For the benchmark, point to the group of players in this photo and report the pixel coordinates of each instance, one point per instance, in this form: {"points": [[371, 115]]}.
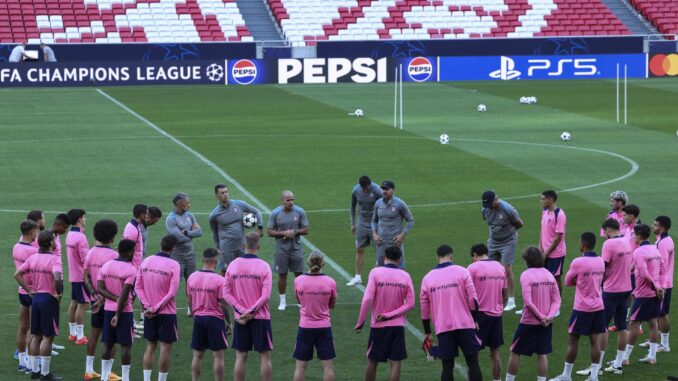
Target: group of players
{"points": [[464, 305]]}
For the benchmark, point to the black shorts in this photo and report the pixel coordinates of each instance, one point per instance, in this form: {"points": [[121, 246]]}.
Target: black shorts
{"points": [[616, 308], [530, 339], [449, 343], [97, 319], [387, 343], [45, 315], [491, 330], [319, 338], [645, 309], [587, 323], [257, 334], [123, 333], [665, 307], [161, 327], [209, 332], [79, 293], [25, 300], [555, 265]]}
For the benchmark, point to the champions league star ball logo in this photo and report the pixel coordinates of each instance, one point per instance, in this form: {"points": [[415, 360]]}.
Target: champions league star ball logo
{"points": [[420, 69], [215, 72]]}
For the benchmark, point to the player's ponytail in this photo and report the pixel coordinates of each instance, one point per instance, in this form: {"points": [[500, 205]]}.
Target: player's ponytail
{"points": [[316, 261]]}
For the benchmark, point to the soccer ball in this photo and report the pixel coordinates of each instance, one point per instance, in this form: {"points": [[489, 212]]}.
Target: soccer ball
{"points": [[533, 100], [359, 113], [249, 220], [444, 139], [565, 136], [482, 108], [523, 100]]}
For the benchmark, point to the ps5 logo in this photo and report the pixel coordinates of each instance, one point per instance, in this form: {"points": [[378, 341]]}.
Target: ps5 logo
{"points": [[506, 70], [580, 66]]}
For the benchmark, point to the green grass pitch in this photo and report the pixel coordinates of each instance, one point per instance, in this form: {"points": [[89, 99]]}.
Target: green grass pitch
{"points": [[66, 148]]}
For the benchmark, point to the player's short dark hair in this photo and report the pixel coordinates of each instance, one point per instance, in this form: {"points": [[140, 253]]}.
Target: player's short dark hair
{"points": [[533, 257], [642, 231], [139, 210], [550, 194], [126, 246], [588, 240], [210, 253], [35, 215], [154, 212], [219, 186], [62, 219], [105, 230], [364, 181], [27, 226], [479, 249], [252, 240], [631, 209], [45, 240], [179, 196], [444, 250], [75, 215], [393, 253], [664, 221], [610, 223], [168, 242]]}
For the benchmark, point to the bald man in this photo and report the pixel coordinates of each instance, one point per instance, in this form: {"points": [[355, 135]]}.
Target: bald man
{"points": [[287, 224]]}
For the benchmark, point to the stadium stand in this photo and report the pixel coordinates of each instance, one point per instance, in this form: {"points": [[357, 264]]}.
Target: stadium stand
{"points": [[306, 21], [663, 14], [112, 21]]}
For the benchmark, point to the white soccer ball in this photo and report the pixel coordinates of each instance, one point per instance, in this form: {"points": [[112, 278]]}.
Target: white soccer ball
{"points": [[444, 139], [482, 108], [359, 113], [533, 100], [565, 136], [249, 220], [523, 100]]}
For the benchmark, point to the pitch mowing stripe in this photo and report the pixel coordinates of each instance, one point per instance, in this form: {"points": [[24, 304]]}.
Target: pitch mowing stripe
{"points": [[460, 368]]}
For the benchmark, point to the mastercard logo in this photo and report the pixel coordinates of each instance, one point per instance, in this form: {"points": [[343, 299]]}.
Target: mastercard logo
{"points": [[664, 64]]}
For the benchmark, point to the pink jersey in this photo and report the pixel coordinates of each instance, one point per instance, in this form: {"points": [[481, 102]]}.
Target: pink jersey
{"points": [[618, 256], [390, 293], [248, 286], [631, 236], [315, 292], [205, 288], [95, 260], [57, 252], [133, 232], [666, 250], [619, 217], [648, 264], [41, 267], [489, 279], [447, 297], [553, 223], [76, 252], [20, 253], [116, 274], [586, 273], [158, 283], [541, 298]]}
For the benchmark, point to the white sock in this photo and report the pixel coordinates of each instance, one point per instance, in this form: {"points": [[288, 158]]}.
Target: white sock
{"points": [[35, 363], [653, 351], [594, 372], [44, 364], [567, 370], [89, 364], [141, 316], [510, 377], [511, 300], [600, 363], [147, 374], [282, 299], [665, 340], [80, 331], [22, 359], [125, 372], [162, 376], [627, 352], [71, 329], [541, 378], [105, 369], [618, 360]]}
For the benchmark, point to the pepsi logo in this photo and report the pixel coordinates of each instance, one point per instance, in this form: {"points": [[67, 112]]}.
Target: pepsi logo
{"points": [[244, 72], [420, 69]]}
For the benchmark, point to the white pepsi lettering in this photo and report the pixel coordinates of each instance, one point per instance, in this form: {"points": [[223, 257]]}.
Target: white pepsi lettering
{"points": [[288, 68], [365, 74], [332, 70], [313, 70], [339, 68]]}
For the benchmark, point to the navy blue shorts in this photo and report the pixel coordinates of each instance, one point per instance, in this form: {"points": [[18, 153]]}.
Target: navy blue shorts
{"points": [[665, 307], [387, 343], [555, 265], [491, 332], [530, 339], [257, 334], [616, 308], [587, 323], [97, 319], [79, 293], [633, 281], [25, 300], [449, 343], [645, 309], [45, 315], [319, 338], [209, 332], [123, 333], [161, 327]]}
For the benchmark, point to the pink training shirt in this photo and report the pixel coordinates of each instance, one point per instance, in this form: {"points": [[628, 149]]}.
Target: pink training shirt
{"points": [[42, 267], [76, 252], [133, 232], [615, 215], [541, 298], [248, 286], [447, 297], [489, 279], [648, 263], [553, 223], [95, 260], [586, 273], [20, 253], [205, 288], [158, 283], [116, 274], [666, 250], [315, 293], [618, 256], [631, 236], [390, 293]]}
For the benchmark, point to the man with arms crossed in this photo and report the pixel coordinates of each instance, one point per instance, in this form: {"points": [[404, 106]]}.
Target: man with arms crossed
{"points": [[666, 248], [387, 223], [364, 195]]}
